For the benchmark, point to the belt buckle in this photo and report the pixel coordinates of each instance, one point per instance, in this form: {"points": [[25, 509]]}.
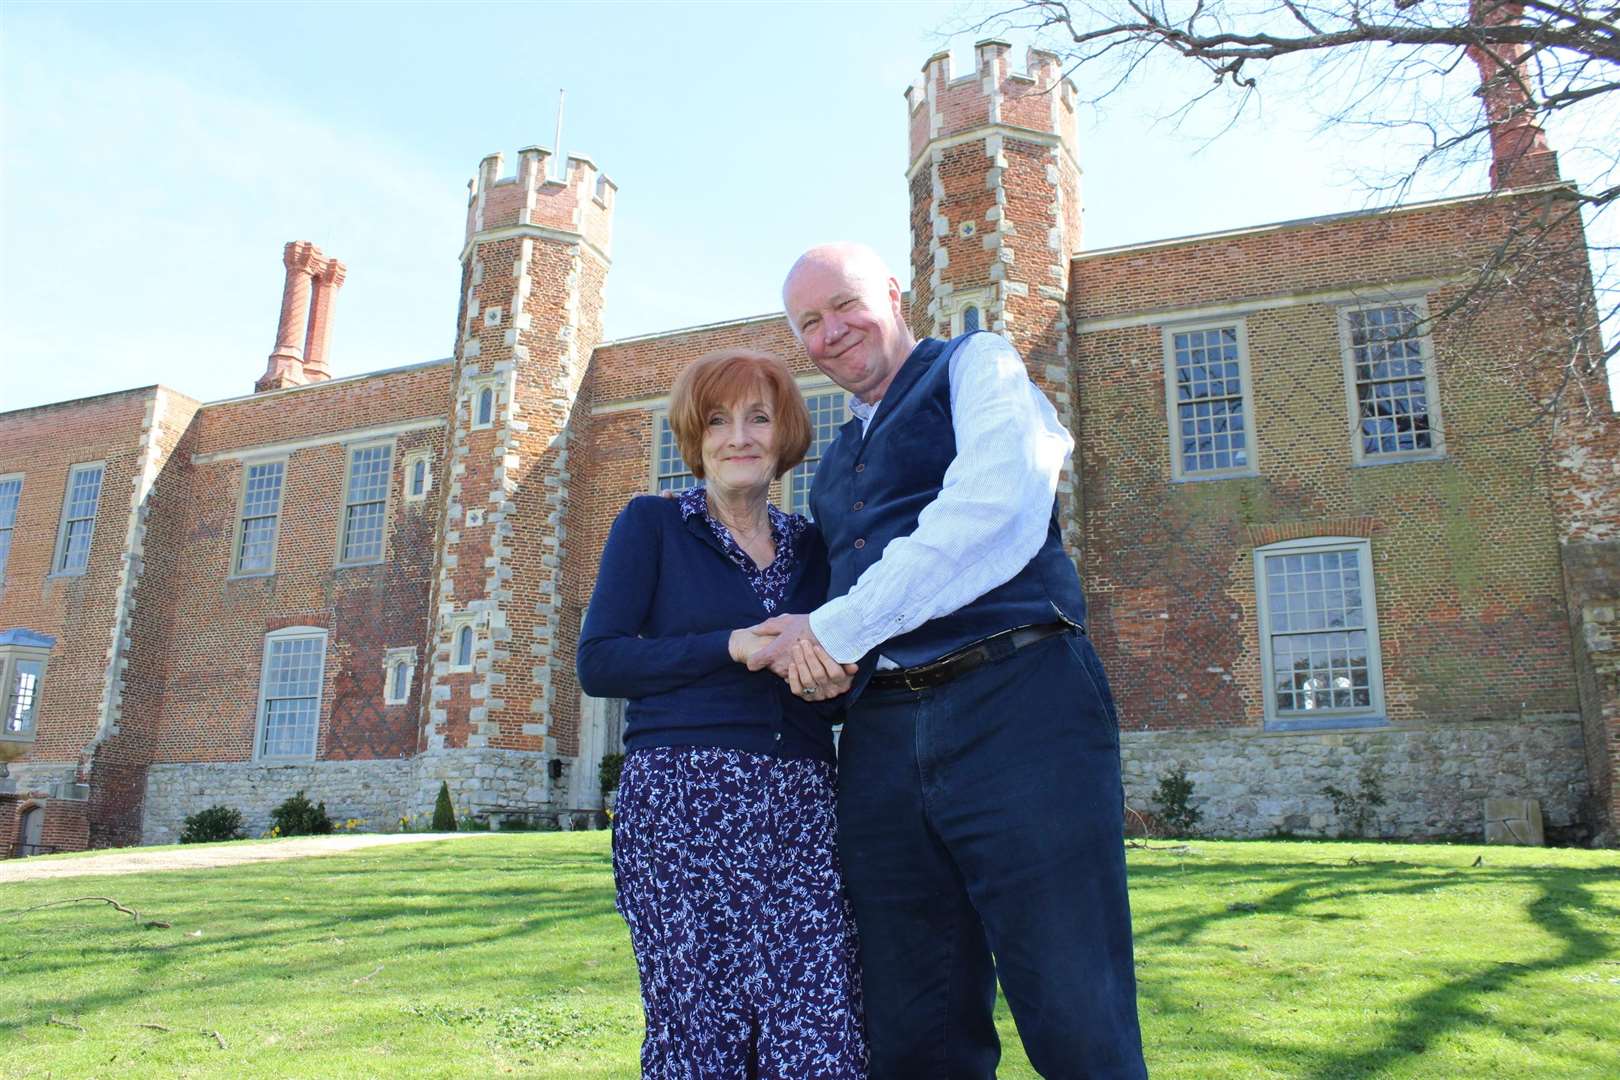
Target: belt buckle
{"points": [[913, 687]]}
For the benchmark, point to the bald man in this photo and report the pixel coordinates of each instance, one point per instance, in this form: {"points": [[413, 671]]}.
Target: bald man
{"points": [[980, 805]]}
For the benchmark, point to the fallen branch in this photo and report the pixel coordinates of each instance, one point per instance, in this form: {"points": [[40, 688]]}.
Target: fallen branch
{"points": [[82, 899], [365, 978], [155, 1027], [217, 1038], [59, 1022]]}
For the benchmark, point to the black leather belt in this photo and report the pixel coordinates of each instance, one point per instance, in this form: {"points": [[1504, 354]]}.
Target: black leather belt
{"points": [[965, 659]]}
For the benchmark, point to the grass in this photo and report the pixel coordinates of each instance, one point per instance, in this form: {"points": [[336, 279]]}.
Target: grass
{"points": [[505, 957]]}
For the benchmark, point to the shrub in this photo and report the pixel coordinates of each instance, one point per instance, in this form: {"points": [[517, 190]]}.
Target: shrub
{"points": [[612, 765], [1355, 809], [444, 815], [1176, 814], [214, 823], [300, 817]]}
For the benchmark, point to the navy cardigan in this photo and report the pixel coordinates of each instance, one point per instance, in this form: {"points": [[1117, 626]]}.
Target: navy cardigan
{"points": [[658, 632]]}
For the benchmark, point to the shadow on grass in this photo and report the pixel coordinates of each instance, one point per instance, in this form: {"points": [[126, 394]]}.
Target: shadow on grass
{"points": [[274, 924], [1317, 891]]}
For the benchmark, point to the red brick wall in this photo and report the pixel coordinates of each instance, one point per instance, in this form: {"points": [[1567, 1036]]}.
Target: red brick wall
{"points": [[214, 624], [43, 444], [1471, 606]]}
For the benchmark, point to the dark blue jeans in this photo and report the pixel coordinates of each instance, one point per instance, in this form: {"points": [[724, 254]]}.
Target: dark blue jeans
{"points": [[981, 833]]}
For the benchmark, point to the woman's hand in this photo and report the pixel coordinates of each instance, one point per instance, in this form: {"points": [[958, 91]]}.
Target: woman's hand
{"points": [[745, 643], [815, 676]]}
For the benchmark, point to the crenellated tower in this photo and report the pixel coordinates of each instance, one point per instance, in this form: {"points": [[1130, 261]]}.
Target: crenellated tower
{"points": [[995, 211], [501, 724]]}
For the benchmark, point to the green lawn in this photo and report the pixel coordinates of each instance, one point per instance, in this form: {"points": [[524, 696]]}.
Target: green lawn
{"points": [[503, 956]]}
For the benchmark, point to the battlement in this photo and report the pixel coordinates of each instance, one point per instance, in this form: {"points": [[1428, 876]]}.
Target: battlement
{"points": [[580, 202], [1038, 99]]}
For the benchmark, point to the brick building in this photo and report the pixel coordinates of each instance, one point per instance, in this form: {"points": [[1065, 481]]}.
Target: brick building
{"points": [[364, 586]]}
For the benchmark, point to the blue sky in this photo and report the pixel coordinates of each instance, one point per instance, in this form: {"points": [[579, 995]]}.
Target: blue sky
{"points": [[158, 156]]}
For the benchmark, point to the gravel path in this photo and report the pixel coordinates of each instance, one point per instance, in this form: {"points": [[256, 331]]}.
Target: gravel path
{"points": [[139, 860]]}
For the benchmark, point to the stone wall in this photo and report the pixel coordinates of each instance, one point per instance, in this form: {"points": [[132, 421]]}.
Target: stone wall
{"points": [[376, 792], [490, 779], [1435, 778]]}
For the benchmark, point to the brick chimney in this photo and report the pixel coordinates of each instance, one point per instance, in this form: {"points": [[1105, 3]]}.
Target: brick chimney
{"points": [[306, 318], [1520, 156]]}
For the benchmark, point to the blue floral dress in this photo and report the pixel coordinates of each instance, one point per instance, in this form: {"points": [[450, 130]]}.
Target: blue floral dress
{"points": [[727, 875]]}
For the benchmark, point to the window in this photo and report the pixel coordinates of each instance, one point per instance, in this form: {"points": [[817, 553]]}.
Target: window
{"points": [[463, 642], [1390, 376], [365, 503], [10, 495], [23, 656], [399, 666], [1209, 402], [486, 407], [963, 312], [418, 474], [828, 413], [669, 470], [1319, 633], [79, 505], [261, 513], [290, 692]]}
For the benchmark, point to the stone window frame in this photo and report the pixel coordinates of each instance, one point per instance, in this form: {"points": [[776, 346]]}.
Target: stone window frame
{"points": [[1419, 305], [476, 388], [1374, 714], [954, 310], [467, 620], [423, 457], [1179, 474], [11, 656], [349, 451], [248, 464], [660, 425], [402, 656], [8, 531], [274, 637], [60, 552], [796, 482]]}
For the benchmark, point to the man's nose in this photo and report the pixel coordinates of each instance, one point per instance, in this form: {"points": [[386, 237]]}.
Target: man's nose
{"points": [[833, 327]]}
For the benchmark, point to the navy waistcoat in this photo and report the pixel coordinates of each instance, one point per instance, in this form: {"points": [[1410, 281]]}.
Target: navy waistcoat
{"points": [[870, 491]]}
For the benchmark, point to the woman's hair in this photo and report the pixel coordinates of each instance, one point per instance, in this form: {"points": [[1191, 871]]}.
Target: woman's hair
{"points": [[726, 377]]}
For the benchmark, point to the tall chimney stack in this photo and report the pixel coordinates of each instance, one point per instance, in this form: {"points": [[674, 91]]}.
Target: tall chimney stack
{"points": [[1520, 156], [304, 330]]}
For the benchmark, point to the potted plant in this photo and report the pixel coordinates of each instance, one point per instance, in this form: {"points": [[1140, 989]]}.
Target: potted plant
{"points": [[608, 772]]}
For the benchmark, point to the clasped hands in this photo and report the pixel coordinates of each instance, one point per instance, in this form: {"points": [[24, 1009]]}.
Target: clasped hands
{"points": [[788, 647]]}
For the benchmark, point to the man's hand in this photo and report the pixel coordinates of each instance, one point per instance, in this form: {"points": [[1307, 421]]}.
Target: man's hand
{"points": [[815, 676], [778, 655]]}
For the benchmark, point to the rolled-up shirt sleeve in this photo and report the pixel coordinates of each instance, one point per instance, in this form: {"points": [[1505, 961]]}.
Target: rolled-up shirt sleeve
{"points": [[988, 520]]}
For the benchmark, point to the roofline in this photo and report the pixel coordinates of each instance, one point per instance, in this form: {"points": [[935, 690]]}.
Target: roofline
{"points": [[905, 294], [263, 394], [88, 398], [724, 324], [1321, 219]]}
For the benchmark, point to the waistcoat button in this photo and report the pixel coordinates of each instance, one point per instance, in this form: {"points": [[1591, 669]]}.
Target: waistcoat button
{"points": [[859, 544], [860, 504], [861, 467]]}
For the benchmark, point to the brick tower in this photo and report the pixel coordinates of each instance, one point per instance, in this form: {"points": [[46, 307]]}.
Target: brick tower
{"points": [[995, 211], [501, 723]]}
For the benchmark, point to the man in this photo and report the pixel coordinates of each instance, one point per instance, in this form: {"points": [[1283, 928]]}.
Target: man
{"points": [[980, 804]]}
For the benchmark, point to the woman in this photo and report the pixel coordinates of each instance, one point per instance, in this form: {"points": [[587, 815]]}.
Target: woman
{"points": [[724, 834]]}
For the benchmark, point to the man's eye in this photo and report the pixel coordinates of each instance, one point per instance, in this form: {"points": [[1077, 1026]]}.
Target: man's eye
{"points": [[847, 303]]}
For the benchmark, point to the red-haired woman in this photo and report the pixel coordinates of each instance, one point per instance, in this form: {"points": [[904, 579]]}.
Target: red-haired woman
{"points": [[724, 841]]}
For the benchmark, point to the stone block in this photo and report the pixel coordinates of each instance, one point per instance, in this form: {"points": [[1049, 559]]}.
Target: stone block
{"points": [[1514, 821]]}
